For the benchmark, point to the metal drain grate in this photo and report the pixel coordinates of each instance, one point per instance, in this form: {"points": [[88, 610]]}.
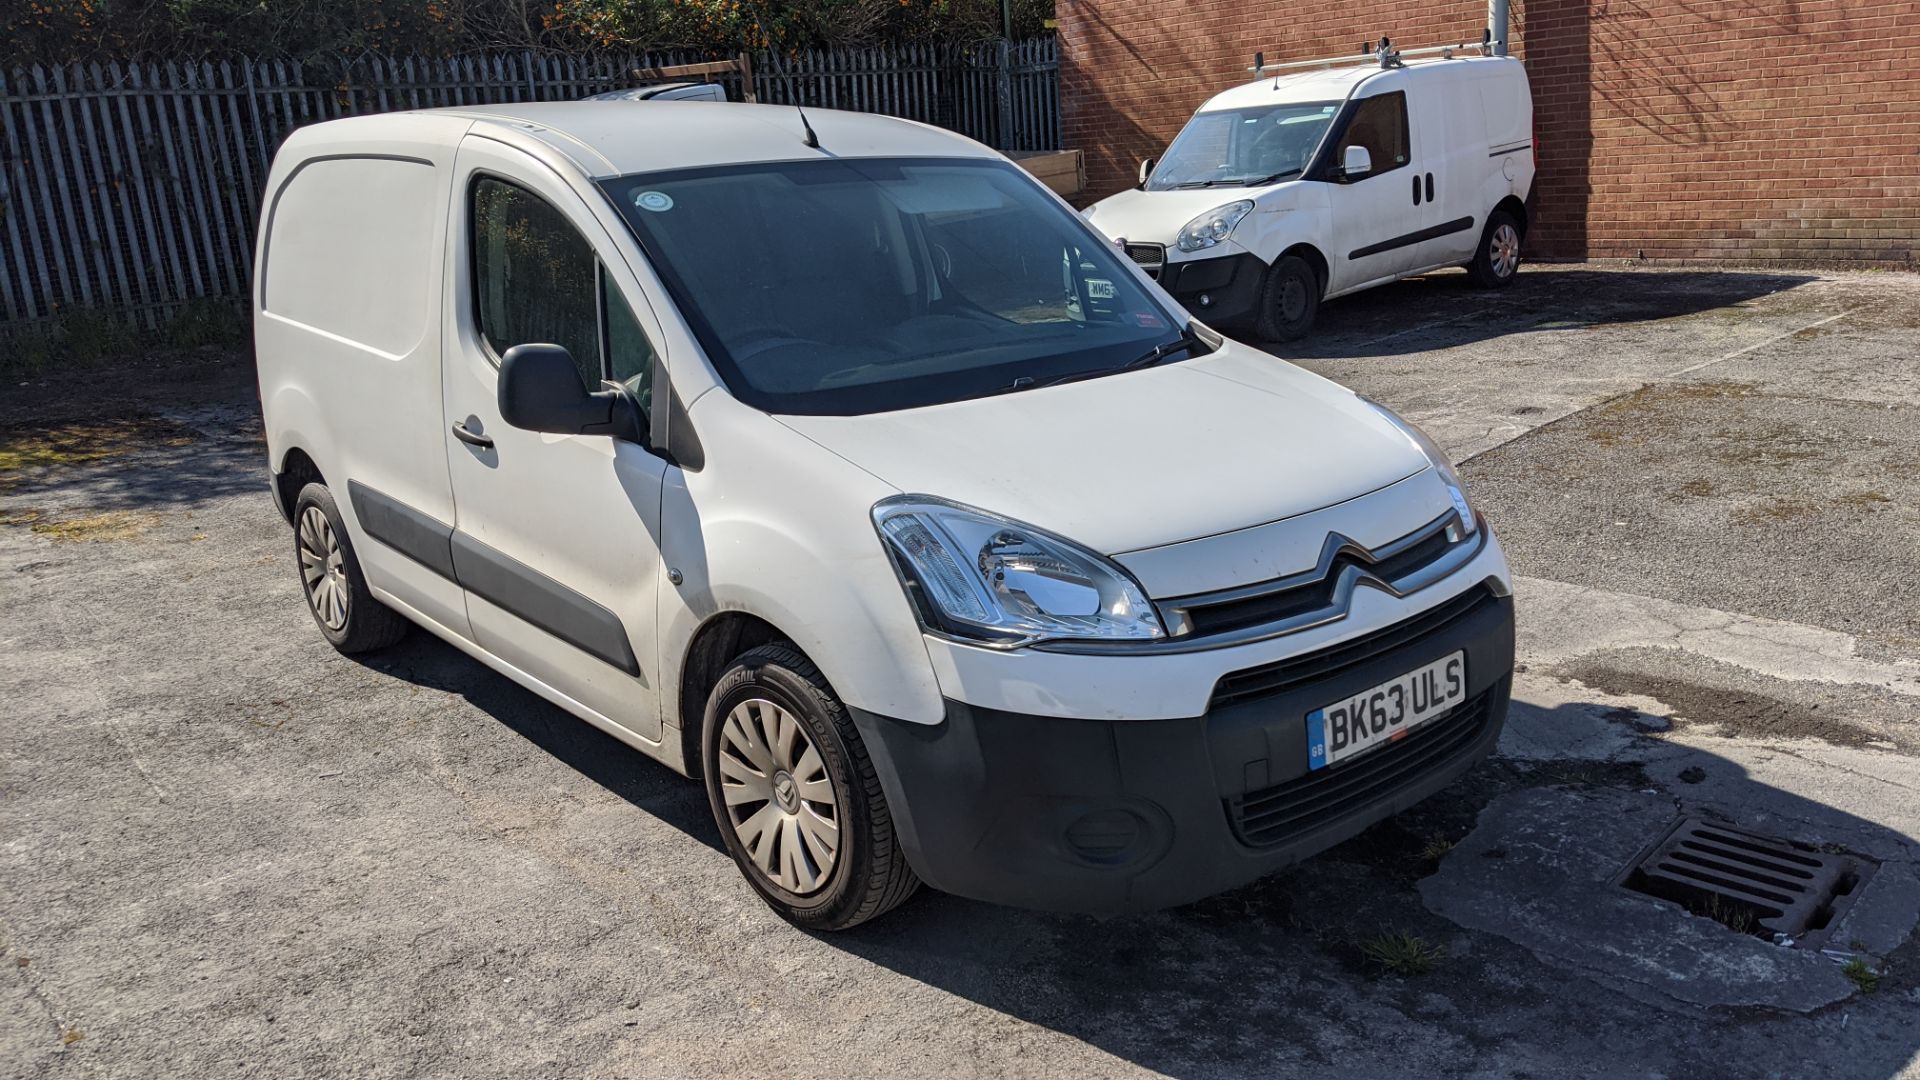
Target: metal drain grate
{"points": [[1752, 883]]}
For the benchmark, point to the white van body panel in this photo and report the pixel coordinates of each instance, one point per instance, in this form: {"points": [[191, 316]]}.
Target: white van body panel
{"points": [[349, 355], [751, 533], [1470, 123], [1089, 438]]}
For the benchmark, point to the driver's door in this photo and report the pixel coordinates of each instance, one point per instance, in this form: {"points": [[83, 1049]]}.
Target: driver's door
{"points": [[556, 539]]}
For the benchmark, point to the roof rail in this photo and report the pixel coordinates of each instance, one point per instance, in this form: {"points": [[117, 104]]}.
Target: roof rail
{"points": [[1383, 54]]}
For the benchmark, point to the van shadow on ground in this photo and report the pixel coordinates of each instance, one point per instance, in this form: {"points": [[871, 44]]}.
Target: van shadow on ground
{"points": [[1276, 975], [1444, 309]]}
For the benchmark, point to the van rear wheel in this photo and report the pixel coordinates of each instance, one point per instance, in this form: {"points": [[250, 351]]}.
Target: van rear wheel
{"points": [[1289, 301], [336, 591], [1498, 258], [796, 797]]}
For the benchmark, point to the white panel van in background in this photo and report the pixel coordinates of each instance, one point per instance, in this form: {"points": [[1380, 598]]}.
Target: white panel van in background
{"points": [[1296, 188]]}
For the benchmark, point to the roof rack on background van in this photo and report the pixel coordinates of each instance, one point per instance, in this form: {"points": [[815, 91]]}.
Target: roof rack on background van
{"points": [[1383, 54], [741, 65]]}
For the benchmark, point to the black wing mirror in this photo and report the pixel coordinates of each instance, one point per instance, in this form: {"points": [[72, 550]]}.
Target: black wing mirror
{"points": [[540, 390]]}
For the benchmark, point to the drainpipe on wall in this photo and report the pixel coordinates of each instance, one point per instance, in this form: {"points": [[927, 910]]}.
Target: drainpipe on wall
{"points": [[1497, 25]]}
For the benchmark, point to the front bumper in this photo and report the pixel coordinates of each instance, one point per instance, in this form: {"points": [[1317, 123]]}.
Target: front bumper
{"points": [[1133, 815], [1220, 291]]}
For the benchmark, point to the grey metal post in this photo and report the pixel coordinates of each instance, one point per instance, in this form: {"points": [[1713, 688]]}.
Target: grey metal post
{"points": [[1497, 25], [1003, 93]]}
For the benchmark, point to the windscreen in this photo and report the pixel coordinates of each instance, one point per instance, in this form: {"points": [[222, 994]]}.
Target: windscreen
{"points": [[1243, 147], [853, 285]]}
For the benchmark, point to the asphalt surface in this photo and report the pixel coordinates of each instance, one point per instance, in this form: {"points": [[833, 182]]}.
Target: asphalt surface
{"points": [[225, 850]]}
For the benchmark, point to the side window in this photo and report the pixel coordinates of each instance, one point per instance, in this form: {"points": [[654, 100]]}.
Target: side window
{"points": [[1380, 125], [535, 277], [629, 354]]}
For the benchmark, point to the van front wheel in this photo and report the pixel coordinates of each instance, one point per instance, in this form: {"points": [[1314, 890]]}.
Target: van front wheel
{"points": [[1498, 259], [796, 797], [1289, 301]]}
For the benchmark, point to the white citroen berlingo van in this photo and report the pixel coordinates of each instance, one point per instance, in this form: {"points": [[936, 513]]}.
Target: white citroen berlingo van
{"points": [[835, 461], [1310, 184]]}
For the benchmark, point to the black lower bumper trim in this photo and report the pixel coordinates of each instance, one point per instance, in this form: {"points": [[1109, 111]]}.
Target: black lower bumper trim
{"points": [[1113, 816], [1229, 285]]}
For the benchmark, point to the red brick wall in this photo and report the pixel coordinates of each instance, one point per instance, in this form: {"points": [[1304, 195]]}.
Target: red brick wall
{"points": [[1749, 130]]}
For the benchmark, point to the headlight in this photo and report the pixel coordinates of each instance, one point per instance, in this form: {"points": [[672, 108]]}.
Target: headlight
{"points": [[978, 575], [1456, 487], [1213, 226]]}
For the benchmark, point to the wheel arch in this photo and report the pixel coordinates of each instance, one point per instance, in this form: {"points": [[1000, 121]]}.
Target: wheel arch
{"points": [[720, 640], [1513, 205], [296, 470], [1312, 256]]}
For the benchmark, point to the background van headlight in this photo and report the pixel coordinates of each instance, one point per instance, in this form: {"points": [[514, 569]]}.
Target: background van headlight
{"points": [[1456, 487], [1213, 226], [979, 575]]}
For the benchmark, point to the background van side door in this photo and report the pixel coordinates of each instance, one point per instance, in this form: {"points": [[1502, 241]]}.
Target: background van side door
{"points": [[557, 536], [1375, 221], [1451, 129]]}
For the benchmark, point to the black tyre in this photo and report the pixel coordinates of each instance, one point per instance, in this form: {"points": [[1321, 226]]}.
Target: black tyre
{"points": [[796, 797], [1498, 257], [336, 591], [1289, 300]]}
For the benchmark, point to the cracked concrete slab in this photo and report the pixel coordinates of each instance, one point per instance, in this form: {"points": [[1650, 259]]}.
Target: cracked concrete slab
{"points": [[1538, 870], [1566, 621]]}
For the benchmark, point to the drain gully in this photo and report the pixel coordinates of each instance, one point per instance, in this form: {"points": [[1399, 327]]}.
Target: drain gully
{"points": [[1754, 884]]}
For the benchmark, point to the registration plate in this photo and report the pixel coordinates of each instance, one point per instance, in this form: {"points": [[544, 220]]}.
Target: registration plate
{"points": [[1386, 712]]}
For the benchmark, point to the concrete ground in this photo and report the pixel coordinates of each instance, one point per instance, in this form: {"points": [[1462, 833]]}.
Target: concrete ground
{"points": [[228, 850]]}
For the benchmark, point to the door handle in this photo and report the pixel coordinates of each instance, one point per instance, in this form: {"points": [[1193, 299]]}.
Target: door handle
{"points": [[471, 438], [1429, 187], [1416, 189]]}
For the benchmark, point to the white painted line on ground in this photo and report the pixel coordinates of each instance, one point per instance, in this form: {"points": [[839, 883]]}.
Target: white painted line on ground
{"points": [[1774, 340]]}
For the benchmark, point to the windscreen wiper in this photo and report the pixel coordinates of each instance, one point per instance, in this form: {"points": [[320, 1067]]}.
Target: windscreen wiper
{"points": [[1263, 181], [1159, 353]]}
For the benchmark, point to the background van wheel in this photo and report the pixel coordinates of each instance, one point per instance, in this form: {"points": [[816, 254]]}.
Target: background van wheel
{"points": [[1289, 300], [796, 797], [1498, 258], [336, 591]]}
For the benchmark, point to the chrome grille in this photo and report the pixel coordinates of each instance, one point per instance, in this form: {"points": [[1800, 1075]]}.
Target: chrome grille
{"points": [[1320, 595]]}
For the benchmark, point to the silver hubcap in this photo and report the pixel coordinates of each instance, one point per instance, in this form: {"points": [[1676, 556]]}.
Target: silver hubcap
{"points": [[778, 796], [323, 569], [1504, 250]]}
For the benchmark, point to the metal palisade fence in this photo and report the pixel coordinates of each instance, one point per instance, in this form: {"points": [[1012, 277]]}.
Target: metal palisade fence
{"points": [[135, 188]]}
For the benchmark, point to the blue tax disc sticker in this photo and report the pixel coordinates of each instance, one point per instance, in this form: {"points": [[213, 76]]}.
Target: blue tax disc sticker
{"points": [[656, 201]]}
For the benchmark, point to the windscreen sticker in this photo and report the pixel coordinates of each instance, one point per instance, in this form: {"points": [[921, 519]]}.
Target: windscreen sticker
{"points": [[1148, 319], [656, 201]]}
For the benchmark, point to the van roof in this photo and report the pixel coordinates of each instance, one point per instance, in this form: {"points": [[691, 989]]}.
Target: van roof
{"points": [[1335, 83], [617, 138]]}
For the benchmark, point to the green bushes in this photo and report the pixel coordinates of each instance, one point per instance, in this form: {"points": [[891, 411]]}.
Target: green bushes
{"points": [[61, 31]]}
